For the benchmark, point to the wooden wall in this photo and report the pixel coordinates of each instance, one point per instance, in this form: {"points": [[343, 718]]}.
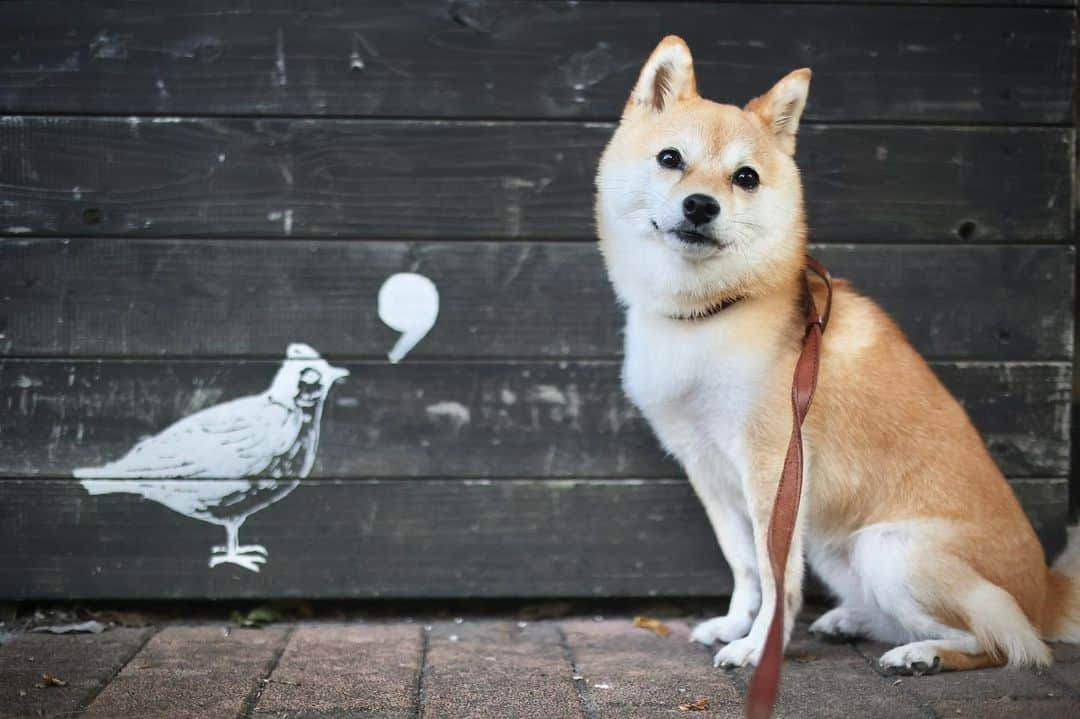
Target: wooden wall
{"points": [[186, 188]]}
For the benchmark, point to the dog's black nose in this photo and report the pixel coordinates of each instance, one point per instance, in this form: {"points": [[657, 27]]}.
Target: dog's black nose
{"points": [[700, 209]]}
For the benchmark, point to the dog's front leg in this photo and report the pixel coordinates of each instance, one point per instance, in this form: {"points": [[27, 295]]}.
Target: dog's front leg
{"points": [[727, 513], [760, 490]]}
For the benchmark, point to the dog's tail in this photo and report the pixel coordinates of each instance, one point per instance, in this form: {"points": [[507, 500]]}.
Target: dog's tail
{"points": [[1061, 610]]}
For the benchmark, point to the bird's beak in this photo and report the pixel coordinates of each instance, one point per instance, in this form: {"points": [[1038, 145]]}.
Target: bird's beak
{"points": [[337, 373]]}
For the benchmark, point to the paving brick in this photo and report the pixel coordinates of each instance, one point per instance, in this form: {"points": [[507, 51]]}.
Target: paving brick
{"points": [[335, 671], [479, 669], [191, 673], [1010, 709], [1067, 674], [84, 661], [497, 670], [823, 679], [631, 673], [980, 685], [1065, 652]]}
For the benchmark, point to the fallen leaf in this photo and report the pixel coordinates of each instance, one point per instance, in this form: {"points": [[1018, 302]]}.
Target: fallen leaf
{"points": [[48, 680], [805, 658], [256, 618], [698, 705], [91, 627], [124, 619], [653, 625]]}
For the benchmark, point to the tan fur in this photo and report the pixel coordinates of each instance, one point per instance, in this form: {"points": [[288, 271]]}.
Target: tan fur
{"points": [[954, 661], [887, 442]]}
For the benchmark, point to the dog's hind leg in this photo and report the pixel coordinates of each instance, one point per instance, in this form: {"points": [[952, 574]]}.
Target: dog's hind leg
{"points": [[856, 615], [954, 618], [933, 655]]}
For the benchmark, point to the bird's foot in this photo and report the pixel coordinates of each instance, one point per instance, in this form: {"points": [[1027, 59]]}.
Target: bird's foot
{"points": [[249, 561], [241, 549]]}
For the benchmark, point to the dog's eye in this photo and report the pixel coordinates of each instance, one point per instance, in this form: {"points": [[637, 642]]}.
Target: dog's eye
{"points": [[746, 178], [670, 159]]}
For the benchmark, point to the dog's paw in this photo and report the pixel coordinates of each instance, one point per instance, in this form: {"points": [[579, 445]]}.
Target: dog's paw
{"points": [[840, 624], [740, 653], [917, 658], [721, 629]]}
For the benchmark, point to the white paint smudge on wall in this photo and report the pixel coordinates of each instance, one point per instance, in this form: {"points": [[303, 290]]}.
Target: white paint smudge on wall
{"points": [[550, 393], [228, 461], [286, 218], [455, 414], [281, 77], [408, 303]]}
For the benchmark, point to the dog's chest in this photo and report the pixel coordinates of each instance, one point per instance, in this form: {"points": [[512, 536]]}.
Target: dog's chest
{"points": [[696, 390]]}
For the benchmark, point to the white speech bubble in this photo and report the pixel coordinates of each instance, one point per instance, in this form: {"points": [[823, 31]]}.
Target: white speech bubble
{"points": [[408, 303]]}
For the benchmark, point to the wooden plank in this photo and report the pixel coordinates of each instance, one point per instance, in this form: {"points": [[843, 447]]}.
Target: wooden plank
{"points": [[520, 59], [978, 3], [88, 297], [209, 177], [1046, 502], [450, 419], [373, 539]]}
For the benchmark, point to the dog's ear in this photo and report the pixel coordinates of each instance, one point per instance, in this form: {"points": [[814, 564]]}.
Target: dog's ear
{"points": [[668, 76], [782, 106]]}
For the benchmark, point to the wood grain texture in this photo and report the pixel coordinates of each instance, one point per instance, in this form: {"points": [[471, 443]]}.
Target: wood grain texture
{"points": [[519, 59], [386, 539], [91, 297], [451, 419], [208, 177]]}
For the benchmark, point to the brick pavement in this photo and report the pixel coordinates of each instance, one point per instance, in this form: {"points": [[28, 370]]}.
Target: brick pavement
{"points": [[579, 668]]}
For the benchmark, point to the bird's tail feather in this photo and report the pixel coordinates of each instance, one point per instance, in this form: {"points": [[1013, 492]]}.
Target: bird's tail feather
{"points": [[92, 485], [92, 472]]}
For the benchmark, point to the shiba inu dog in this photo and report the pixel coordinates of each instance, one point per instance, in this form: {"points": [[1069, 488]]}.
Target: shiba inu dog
{"points": [[904, 514]]}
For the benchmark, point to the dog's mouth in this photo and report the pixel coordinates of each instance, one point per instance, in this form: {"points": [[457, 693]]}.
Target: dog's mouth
{"points": [[686, 234], [693, 237]]}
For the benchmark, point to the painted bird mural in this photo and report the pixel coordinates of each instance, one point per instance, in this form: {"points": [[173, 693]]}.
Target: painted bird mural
{"points": [[226, 462]]}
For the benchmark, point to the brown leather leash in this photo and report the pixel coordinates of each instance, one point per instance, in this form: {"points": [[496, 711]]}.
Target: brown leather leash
{"points": [[761, 699]]}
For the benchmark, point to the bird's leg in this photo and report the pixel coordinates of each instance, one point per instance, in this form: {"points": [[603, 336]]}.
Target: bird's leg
{"points": [[248, 556], [232, 540], [257, 549]]}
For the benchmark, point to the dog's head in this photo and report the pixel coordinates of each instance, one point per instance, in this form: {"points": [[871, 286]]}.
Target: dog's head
{"points": [[698, 202]]}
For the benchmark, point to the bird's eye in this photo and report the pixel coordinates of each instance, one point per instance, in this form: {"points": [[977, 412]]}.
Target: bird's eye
{"points": [[670, 159], [746, 178]]}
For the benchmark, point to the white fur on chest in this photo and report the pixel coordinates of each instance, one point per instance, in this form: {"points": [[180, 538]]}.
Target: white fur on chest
{"points": [[697, 388]]}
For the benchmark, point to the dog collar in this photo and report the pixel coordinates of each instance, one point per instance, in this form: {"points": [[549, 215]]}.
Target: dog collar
{"points": [[705, 313]]}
